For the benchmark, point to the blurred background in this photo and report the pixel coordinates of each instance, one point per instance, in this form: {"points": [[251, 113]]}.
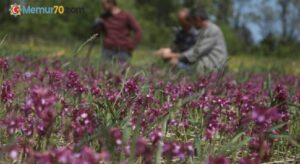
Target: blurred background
{"points": [[266, 29]]}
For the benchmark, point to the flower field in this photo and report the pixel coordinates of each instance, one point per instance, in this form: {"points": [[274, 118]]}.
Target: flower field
{"points": [[54, 111]]}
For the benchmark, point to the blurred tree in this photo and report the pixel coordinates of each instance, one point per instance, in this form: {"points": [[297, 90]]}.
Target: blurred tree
{"points": [[5, 16], [238, 15], [266, 19], [284, 5], [269, 44], [238, 23], [224, 10], [158, 10], [278, 21], [289, 17]]}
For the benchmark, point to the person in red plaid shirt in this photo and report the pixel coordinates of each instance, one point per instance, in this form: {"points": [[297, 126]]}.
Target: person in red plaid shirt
{"points": [[120, 30]]}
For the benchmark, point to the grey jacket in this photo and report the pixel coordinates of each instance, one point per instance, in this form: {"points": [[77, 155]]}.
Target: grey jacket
{"points": [[209, 52]]}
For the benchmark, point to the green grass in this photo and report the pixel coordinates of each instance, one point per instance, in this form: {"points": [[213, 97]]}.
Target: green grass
{"points": [[143, 56], [265, 64]]}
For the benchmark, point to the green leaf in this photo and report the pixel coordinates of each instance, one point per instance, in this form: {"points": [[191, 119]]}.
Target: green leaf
{"points": [[269, 86], [198, 146], [234, 145], [237, 137], [3, 40], [288, 138], [159, 147], [277, 127]]}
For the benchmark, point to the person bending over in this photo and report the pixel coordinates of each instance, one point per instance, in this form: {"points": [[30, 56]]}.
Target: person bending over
{"points": [[186, 35], [208, 54]]}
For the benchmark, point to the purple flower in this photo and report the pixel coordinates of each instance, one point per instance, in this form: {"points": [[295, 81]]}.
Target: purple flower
{"points": [[155, 136], [95, 90], [56, 78], [67, 155], [41, 101], [152, 115], [117, 135], [260, 148], [7, 94], [263, 115], [41, 98], [172, 90], [28, 127], [218, 160], [221, 102], [105, 156], [187, 90], [202, 83], [63, 155], [112, 95], [87, 155], [178, 150], [73, 82], [298, 98], [184, 124], [142, 148], [3, 65], [13, 154], [281, 98], [281, 94], [20, 59], [249, 160], [83, 123], [66, 108], [131, 86], [208, 134], [45, 158], [12, 124], [46, 119]]}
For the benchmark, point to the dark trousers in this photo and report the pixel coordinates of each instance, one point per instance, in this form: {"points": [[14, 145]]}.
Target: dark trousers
{"points": [[115, 54]]}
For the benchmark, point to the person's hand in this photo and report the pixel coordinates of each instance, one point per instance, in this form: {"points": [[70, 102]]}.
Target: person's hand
{"points": [[163, 52], [168, 55], [174, 61]]}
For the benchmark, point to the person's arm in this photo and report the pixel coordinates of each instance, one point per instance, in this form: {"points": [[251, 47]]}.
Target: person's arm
{"points": [[98, 27], [184, 60], [176, 41], [203, 46], [96, 30], [136, 28]]}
